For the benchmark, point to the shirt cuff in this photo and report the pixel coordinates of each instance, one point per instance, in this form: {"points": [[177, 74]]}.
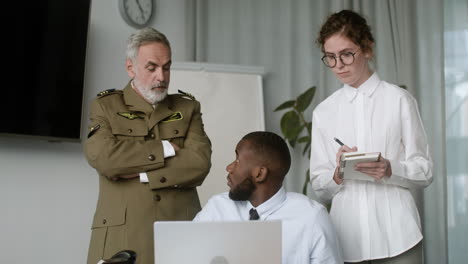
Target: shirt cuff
{"points": [[331, 185], [169, 150], [144, 177]]}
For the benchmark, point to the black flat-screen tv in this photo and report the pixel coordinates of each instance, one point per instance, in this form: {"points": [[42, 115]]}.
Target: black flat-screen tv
{"points": [[43, 91]]}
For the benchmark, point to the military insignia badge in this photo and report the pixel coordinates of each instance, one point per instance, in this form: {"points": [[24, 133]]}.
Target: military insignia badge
{"points": [[173, 117], [131, 115], [93, 130], [106, 92], [186, 94]]}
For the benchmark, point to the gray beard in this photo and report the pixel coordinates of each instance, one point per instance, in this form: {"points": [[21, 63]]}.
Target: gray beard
{"points": [[151, 96]]}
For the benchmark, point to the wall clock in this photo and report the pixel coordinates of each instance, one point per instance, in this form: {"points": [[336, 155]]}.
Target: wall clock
{"points": [[137, 13]]}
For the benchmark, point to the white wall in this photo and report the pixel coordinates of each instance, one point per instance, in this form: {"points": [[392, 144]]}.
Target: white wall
{"points": [[221, 89], [48, 192], [47, 196]]}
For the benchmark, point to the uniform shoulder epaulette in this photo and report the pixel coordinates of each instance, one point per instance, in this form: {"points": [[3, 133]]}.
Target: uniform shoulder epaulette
{"points": [[187, 95], [108, 91]]}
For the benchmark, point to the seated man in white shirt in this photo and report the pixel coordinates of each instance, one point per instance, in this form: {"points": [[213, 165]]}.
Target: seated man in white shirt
{"points": [[256, 182]]}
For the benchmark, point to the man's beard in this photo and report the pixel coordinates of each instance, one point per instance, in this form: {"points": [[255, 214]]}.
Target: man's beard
{"points": [[150, 95], [242, 191]]}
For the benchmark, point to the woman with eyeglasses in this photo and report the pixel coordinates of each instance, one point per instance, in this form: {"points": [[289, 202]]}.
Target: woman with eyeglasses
{"points": [[376, 219]]}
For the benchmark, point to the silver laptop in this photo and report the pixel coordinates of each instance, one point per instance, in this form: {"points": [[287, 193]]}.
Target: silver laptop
{"points": [[242, 242]]}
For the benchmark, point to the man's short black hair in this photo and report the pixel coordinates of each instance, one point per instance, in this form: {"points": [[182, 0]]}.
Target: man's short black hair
{"points": [[272, 149]]}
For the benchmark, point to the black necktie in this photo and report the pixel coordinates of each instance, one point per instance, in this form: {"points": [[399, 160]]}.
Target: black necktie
{"points": [[253, 214]]}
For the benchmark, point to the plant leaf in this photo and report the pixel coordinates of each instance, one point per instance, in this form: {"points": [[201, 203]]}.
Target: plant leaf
{"points": [[291, 125], [306, 183], [306, 148], [295, 135], [303, 139], [292, 143], [296, 132], [285, 105], [309, 127], [304, 100]]}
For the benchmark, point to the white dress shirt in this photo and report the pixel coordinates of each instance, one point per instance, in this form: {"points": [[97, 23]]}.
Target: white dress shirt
{"points": [[168, 150], [307, 232], [373, 219]]}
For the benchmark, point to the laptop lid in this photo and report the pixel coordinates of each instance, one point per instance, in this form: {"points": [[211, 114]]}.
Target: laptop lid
{"points": [[239, 242]]}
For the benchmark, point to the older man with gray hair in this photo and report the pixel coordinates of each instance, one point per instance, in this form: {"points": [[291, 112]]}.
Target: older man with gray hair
{"points": [[149, 149]]}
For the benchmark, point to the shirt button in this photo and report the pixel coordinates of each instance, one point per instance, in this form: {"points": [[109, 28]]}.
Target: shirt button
{"points": [[104, 221], [157, 198], [152, 135], [176, 131], [130, 130], [162, 180], [151, 157]]}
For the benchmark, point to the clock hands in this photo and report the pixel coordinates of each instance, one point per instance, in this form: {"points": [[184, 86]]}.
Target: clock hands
{"points": [[136, 13], [141, 10]]}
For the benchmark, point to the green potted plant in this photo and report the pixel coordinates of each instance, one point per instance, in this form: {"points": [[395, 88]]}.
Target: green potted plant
{"points": [[294, 127]]}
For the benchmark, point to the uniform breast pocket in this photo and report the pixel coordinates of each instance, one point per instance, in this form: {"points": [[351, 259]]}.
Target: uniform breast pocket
{"points": [[174, 131], [130, 130]]}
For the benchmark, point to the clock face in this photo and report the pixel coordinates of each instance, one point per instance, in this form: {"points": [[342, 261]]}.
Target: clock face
{"points": [[136, 13]]}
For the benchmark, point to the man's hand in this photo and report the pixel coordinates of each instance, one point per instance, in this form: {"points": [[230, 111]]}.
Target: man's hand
{"points": [[377, 169], [175, 146], [341, 150]]}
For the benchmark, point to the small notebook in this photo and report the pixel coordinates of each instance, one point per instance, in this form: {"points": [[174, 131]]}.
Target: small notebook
{"points": [[350, 159]]}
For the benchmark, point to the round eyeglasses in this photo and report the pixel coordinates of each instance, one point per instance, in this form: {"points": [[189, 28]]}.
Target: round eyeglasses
{"points": [[347, 58]]}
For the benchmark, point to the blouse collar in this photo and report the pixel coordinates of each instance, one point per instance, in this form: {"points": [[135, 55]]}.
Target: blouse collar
{"points": [[367, 88]]}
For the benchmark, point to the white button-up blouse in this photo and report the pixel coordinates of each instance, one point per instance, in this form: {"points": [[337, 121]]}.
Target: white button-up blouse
{"points": [[373, 219]]}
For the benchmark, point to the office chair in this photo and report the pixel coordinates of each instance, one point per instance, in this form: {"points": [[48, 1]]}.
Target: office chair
{"points": [[122, 257]]}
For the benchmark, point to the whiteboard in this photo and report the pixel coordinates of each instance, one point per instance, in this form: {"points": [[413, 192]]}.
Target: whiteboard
{"points": [[231, 99]]}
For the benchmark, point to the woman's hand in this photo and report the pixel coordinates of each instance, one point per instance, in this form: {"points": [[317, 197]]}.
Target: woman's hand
{"points": [[377, 169], [336, 176]]}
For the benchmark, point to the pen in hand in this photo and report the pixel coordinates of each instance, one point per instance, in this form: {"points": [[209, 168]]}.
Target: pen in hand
{"points": [[338, 176], [339, 141], [345, 147]]}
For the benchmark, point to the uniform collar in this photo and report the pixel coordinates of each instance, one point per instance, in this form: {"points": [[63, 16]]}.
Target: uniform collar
{"points": [[367, 88], [136, 103], [270, 206]]}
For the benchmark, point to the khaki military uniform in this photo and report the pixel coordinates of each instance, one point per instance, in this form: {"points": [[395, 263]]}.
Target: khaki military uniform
{"points": [[125, 138]]}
